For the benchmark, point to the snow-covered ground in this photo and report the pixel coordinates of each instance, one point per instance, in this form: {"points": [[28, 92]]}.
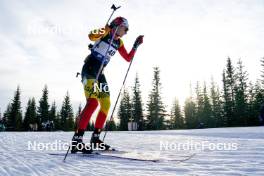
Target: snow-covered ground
{"points": [[223, 151]]}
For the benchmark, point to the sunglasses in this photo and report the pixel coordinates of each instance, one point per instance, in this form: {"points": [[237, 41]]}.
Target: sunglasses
{"points": [[125, 28]]}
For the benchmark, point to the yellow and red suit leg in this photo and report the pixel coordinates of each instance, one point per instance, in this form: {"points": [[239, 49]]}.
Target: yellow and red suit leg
{"points": [[93, 95]]}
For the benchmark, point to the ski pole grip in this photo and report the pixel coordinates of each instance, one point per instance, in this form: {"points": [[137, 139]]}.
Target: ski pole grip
{"points": [[114, 7]]}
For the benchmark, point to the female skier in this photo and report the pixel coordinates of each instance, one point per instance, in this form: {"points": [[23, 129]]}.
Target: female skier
{"points": [[110, 35]]}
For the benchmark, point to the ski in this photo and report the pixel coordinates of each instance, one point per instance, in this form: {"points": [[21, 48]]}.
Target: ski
{"points": [[116, 154], [103, 155]]}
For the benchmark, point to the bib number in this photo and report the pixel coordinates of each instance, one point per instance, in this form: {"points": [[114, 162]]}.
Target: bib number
{"points": [[102, 47]]}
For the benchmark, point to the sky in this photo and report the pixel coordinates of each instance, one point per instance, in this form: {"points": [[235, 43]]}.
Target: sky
{"points": [[45, 42]]}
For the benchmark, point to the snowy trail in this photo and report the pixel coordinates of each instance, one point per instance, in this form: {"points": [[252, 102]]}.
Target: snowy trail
{"points": [[248, 159]]}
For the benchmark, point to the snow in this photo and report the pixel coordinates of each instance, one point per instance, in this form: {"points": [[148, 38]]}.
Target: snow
{"points": [[243, 155]]}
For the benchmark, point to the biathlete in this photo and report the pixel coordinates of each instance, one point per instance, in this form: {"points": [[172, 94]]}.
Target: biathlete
{"points": [[102, 38]]}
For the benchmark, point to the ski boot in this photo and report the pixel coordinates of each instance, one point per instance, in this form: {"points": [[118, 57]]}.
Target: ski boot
{"points": [[78, 145], [96, 143]]}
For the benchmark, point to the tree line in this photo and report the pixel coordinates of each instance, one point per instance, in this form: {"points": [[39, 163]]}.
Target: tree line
{"points": [[236, 103], [43, 117]]}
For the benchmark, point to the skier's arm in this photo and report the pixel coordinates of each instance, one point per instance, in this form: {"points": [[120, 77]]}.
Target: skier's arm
{"points": [[98, 33], [123, 52]]}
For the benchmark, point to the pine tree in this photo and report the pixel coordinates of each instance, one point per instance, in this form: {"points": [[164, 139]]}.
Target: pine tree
{"points": [[241, 106], [27, 117], [137, 109], [66, 114], [190, 113], [124, 112], [199, 104], [34, 111], [57, 121], [231, 79], [30, 114], [252, 114], [6, 115], [226, 102], [52, 115], [121, 114], [155, 107], [258, 101], [229, 82], [43, 109], [76, 122], [14, 121], [176, 121], [207, 110], [217, 110]]}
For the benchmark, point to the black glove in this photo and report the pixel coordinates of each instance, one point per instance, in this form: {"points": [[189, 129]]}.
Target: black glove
{"points": [[138, 41]]}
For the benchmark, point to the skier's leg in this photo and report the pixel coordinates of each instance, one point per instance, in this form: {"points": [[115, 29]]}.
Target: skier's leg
{"points": [[104, 100], [91, 103], [99, 124], [77, 140], [84, 117], [104, 108]]}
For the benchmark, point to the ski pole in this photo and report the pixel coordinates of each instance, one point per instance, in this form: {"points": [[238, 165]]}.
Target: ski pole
{"points": [[114, 9], [111, 117], [102, 64], [90, 46], [112, 114]]}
